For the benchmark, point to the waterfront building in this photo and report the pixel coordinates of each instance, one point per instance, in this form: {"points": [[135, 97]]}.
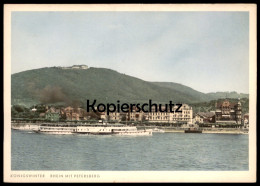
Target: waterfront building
{"points": [[227, 112], [113, 116], [246, 120], [117, 116], [163, 117], [103, 116], [154, 117], [172, 117], [205, 117], [136, 116]]}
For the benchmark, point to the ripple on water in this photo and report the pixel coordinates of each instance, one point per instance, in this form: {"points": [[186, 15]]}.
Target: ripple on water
{"points": [[166, 151]]}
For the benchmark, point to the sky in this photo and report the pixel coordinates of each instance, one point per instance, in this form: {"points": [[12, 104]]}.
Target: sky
{"points": [[207, 51]]}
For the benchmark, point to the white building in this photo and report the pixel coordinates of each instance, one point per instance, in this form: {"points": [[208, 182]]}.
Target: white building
{"points": [[75, 67], [113, 116], [172, 117], [154, 117]]}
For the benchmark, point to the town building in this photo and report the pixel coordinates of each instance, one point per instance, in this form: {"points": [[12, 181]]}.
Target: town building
{"points": [[227, 112], [42, 115], [52, 113], [120, 116], [74, 113], [246, 120], [52, 116], [185, 116], [205, 117], [113, 116], [136, 116]]}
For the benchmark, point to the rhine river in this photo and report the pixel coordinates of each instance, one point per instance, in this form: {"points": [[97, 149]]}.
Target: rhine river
{"points": [[161, 151]]}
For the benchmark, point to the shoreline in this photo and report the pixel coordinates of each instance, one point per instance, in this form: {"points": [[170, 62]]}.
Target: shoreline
{"points": [[31, 126], [205, 131], [211, 132]]}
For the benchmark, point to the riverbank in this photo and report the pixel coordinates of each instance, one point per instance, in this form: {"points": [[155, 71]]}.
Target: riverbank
{"points": [[33, 126], [204, 130], [221, 131], [218, 131]]}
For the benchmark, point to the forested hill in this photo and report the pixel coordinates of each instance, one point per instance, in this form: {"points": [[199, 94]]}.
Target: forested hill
{"points": [[74, 86]]}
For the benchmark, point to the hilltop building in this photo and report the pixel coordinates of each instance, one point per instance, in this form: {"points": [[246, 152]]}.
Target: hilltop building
{"points": [[75, 67]]}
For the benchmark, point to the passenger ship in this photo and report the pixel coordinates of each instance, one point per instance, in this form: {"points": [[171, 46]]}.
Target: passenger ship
{"points": [[94, 129], [49, 128]]}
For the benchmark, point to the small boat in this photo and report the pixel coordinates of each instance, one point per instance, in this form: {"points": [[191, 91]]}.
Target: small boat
{"points": [[192, 128], [131, 132], [156, 130]]}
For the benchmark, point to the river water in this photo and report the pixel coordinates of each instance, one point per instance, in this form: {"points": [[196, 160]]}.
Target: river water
{"points": [[161, 151]]}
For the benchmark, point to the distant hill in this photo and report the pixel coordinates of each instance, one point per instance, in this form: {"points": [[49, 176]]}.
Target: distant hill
{"points": [[74, 86], [196, 95], [222, 95]]}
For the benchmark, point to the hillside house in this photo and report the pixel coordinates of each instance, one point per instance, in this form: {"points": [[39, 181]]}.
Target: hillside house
{"points": [[52, 114], [75, 113]]}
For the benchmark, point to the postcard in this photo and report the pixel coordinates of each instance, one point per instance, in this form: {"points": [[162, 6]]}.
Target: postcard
{"points": [[129, 93]]}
